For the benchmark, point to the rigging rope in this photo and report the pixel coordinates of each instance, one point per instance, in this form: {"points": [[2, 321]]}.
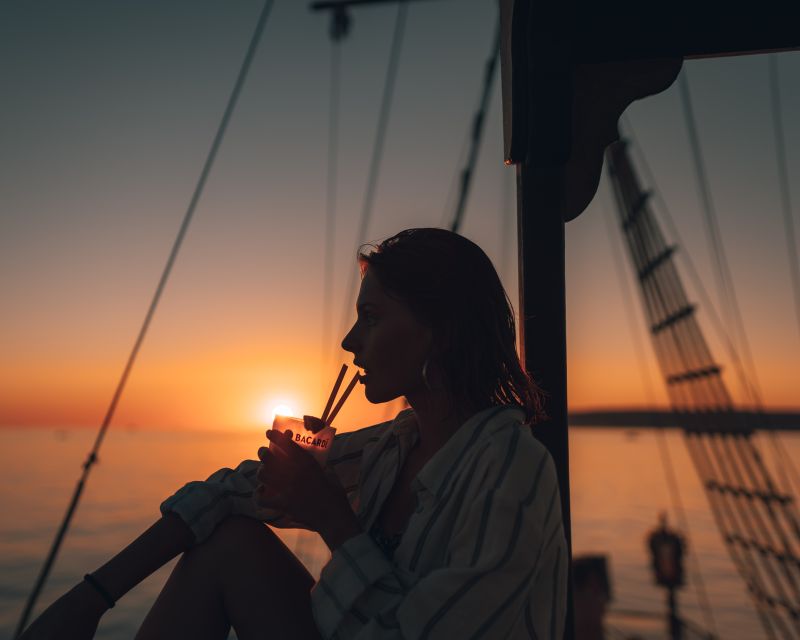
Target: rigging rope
{"points": [[92, 458], [377, 153], [722, 273], [705, 299], [786, 208], [783, 460], [339, 29], [783, 178], [666, 460], [454, 187], [752, 517], [477, 131]]}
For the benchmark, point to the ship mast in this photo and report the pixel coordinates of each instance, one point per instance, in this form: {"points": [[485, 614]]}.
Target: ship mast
{"points": [[759, 523]]}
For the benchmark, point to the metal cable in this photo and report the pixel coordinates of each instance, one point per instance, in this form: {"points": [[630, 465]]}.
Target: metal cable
{"points": [[330, 207], [92, 458], [714, 238], [783, 178], [723, 275], [377, 153], [786, 208], [697, 282], [666, 461], [453, 189], [708, 304], [477, 132], [728, 458]]}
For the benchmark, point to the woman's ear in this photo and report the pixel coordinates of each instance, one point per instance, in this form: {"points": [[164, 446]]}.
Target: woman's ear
{"points": [[432, 367]]}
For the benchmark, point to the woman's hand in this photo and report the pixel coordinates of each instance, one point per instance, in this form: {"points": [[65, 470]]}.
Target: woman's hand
{"points": [[293, 482], [74, 616]]}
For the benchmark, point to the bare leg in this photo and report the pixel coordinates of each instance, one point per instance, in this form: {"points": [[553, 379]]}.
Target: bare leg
{"points": [[244, 576]]}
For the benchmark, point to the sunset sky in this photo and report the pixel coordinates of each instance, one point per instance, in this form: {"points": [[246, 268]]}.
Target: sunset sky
{"points": [[108, 112]]}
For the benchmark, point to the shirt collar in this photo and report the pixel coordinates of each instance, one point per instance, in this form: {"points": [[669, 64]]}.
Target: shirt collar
{"points": [[475, 430], [404, 422]]}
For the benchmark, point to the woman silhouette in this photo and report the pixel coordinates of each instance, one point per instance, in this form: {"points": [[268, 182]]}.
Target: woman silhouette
{"points": [[442, 523]]}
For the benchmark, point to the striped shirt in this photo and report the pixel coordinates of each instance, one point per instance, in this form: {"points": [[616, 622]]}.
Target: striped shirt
{"points": [[483, 555]]}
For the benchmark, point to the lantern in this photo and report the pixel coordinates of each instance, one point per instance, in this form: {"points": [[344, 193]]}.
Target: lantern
{"points": [[666, 549]]}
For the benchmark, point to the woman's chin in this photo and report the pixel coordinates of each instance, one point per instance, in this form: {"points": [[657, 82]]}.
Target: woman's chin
{"points": [[376, 395]]}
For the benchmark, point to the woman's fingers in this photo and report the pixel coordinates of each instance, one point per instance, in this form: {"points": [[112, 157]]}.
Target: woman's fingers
{"points": [[285, 444], [278, 442], [270, 498], [283, 461], [286, 476], [268, 476], [269, 470]]}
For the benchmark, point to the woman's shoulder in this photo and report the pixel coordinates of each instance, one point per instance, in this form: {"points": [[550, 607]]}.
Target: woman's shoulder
{"points": [[516, 460], [405, 417], [358, 439]]}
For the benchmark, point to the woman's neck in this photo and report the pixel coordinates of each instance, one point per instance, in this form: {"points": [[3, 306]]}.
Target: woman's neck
{"points": [[438, 418]]}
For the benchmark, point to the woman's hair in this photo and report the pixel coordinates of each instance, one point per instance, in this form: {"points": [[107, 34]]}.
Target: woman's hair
{"points": [[451, 286]]}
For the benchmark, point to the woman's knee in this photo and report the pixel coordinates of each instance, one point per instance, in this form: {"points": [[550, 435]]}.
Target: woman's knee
{"points": [[240, 529], [238, 536], [261, 579], [244, 549]]}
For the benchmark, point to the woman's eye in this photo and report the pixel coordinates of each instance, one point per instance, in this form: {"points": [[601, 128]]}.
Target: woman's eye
{"points": [[369, 319]]}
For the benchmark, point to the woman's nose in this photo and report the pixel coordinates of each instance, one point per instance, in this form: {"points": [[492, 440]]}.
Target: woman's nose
{"points": [[348, 342]]}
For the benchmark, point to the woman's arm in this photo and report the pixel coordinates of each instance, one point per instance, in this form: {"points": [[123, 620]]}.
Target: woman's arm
{"points": [[204, 504]]}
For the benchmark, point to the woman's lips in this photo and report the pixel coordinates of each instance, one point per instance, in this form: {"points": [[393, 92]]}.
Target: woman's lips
{"points": [[362, 374]]}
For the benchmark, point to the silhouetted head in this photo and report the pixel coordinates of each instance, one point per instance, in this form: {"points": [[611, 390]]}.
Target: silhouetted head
{"points": [[431, 300]]}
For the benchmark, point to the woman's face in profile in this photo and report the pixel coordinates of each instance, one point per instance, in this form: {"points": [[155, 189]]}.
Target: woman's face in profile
{"points": [[387, 342]]}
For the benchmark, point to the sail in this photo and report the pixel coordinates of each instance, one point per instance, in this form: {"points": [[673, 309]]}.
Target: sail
{"points": [[758, 521]]}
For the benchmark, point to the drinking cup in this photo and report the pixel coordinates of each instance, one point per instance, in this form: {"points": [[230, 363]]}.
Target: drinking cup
{"points": [[317, 444]]}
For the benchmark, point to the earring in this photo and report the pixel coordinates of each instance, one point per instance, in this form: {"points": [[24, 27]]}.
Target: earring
{"points": [[425, 374]]}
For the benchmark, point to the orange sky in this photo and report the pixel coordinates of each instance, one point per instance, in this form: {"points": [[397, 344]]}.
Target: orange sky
{"points": [[234, 385], [92, 192]]}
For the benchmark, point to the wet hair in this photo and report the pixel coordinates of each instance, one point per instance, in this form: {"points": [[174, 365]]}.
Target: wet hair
{"points": [[451, 286]]}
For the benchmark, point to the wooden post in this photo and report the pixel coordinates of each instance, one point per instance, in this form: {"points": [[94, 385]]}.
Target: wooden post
{"points": [[540, 67], [542, 309]]}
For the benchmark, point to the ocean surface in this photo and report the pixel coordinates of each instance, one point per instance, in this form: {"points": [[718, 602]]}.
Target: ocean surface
{"points": [[618, 488]]}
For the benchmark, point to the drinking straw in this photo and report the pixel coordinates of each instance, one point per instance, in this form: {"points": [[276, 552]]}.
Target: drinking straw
{"points": [[334, 392], [342, 399]]}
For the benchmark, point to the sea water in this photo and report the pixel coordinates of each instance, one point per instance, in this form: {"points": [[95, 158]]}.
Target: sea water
{"points": [[617, 482]]}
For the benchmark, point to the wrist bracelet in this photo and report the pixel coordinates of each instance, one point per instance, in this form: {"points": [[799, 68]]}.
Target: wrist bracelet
{"points": [[100, 589]]}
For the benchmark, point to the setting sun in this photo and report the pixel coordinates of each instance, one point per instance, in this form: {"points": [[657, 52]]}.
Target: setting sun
{"points": [[278, 410]]}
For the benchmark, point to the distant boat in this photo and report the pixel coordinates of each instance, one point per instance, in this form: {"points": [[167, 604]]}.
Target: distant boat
{"points": [[661, 419]]}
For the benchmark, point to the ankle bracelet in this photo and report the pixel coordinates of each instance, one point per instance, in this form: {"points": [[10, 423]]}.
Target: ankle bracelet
{"points": [[100, 589]]}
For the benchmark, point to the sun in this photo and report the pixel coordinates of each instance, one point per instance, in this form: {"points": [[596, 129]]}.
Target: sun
{"points": [[282, 409]]}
